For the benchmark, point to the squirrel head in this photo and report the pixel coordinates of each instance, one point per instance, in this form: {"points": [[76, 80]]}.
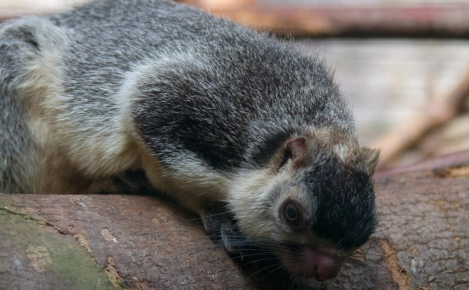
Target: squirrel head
{"points": [[320, 201]]}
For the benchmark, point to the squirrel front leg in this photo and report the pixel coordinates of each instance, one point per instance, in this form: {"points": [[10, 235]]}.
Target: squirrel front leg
{"points": [[222, 228]]}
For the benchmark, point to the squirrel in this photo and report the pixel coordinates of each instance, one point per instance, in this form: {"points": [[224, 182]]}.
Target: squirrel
{"points": [[244, 129]]}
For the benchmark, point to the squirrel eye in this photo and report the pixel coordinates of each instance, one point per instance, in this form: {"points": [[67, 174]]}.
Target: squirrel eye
{"points": [[292, 214]]}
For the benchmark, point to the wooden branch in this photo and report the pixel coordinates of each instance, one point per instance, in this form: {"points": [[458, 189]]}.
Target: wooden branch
{"points": [[368, 21], [423, 229], [141, 242], [438, 111], [436, 164], [307, 20]]}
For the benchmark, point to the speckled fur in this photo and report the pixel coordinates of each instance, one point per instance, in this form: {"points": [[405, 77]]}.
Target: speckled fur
{"points": [[203, 106]]}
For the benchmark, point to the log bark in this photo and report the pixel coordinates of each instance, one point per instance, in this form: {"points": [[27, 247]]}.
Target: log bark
{"points": [[145, 242]]}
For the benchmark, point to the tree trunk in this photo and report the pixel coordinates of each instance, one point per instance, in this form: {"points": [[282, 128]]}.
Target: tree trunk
{"points": [[143, 242]]}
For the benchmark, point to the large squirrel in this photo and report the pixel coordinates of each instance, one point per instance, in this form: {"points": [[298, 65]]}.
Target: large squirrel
{"points": [[244, 129]]}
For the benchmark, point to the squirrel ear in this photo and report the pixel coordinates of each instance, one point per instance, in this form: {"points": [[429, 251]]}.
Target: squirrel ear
{"points": [[296, 150], [370, 158]]}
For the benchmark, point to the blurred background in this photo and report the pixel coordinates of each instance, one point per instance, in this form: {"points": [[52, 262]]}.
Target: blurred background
{"points": [[402, 64]]}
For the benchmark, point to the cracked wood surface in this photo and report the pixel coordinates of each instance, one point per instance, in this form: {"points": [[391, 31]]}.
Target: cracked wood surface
{"points": [[142, 242], [424, 227]]}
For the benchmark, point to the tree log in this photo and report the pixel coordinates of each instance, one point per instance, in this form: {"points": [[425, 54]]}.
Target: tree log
{"points": [[145, 242]]}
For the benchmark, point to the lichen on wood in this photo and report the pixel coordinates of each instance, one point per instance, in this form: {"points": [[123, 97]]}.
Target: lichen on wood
{"points": [[145, 242]]}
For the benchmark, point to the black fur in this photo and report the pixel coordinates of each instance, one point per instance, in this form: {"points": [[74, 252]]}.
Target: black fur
{"points": [[237, 108], [345, 210]]}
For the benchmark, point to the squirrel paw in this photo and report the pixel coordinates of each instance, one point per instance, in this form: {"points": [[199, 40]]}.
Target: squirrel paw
{"points": [[222, 228]]}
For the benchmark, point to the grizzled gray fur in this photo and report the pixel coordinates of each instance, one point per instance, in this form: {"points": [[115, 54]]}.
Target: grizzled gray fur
{"points": [[244, 129]]}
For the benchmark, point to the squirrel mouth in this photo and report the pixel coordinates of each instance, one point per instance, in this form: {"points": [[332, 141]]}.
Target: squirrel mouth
{"points": [[312, 263]]}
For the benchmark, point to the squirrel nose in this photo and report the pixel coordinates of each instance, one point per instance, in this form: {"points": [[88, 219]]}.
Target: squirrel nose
{"points": [[327, 266], [323, 266]]}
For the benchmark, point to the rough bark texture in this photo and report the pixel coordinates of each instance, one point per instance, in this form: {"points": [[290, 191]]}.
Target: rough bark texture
{"points": [[424, 228], [142, 242]]}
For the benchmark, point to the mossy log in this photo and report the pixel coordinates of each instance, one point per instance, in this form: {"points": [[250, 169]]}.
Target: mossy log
{"points": [[145, 242]]}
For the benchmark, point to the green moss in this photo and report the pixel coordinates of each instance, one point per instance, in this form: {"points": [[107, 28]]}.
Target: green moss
{"points": [[50, 253]]}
